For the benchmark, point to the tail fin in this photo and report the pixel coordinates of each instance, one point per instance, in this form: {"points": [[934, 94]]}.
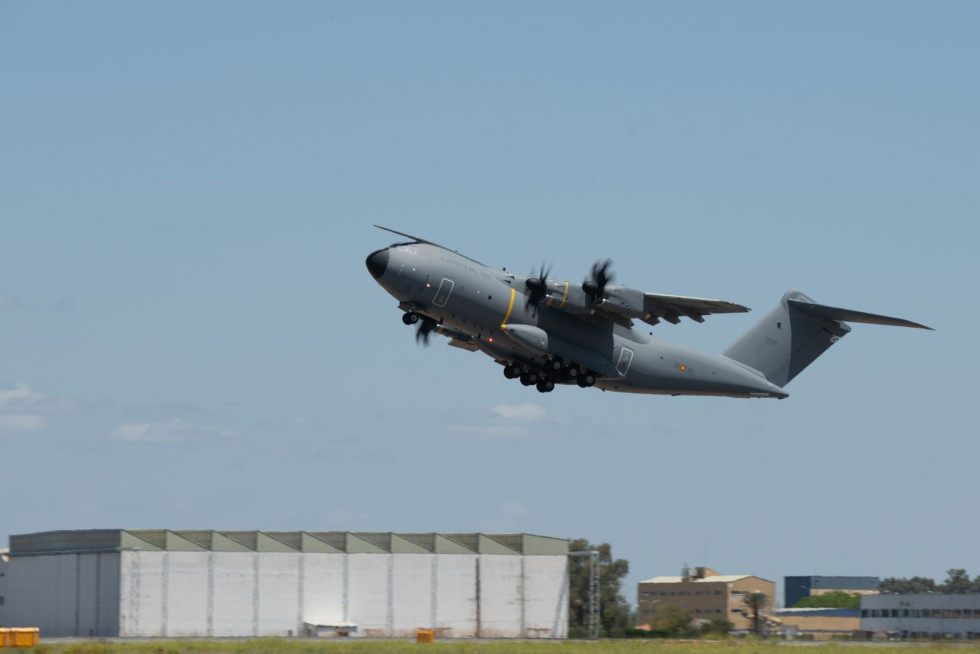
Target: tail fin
{"points": [[788, 338]]}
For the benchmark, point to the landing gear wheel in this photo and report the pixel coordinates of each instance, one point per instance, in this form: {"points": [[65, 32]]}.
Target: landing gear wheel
{"points": [[512, 372], [586, 380], [572, 373], [555, 365], [546, 386], [410, 318], [529, 378]]}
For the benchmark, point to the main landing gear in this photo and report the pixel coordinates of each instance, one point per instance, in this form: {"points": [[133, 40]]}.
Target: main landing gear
{"points": [[555, 371]]}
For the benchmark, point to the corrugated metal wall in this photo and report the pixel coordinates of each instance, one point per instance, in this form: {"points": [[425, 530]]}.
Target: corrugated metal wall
{"points": [[65, 595], [276, 594]]}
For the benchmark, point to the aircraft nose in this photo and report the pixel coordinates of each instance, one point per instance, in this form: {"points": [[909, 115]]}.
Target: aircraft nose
{"points": [[377, 262]]}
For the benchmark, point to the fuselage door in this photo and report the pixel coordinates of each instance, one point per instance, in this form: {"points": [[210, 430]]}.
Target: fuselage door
{"points": [[445, 290], [625, 359]]}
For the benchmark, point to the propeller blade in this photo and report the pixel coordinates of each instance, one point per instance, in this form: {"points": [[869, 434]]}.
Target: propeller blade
{"points": [[595, 285], [426, 325], [538, 287]]}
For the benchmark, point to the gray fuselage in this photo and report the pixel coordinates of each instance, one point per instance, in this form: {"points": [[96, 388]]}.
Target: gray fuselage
{"points": [[487, 309]]}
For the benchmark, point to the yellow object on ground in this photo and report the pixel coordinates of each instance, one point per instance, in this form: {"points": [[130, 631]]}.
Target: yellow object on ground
{"points": [[19, 637], [425, 636]]}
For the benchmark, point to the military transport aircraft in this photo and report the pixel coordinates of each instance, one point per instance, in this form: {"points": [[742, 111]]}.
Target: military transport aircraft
{"points": [[546, 332]]}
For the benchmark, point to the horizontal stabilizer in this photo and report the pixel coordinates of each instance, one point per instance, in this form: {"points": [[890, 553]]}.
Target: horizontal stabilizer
{"points": [[835, 313]]}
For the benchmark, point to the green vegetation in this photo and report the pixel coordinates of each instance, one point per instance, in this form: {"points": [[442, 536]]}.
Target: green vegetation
{"points": [[615, 612], [957, 583], [756, 602], [356, 646], [674, 621], [835, 599]]}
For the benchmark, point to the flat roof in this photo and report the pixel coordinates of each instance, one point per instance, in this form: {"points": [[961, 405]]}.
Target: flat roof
{"points": [[705, 580], [335, 542]]}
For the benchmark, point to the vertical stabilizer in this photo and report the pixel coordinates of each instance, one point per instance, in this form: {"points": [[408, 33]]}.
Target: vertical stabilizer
{"points": [[786, 340], [796, 332]]}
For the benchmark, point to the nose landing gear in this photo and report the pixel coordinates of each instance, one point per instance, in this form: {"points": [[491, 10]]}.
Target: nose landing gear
{"points": [[410, 317]]}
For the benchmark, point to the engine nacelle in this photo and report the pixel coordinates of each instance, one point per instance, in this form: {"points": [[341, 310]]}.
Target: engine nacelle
{"points": [[532, 339]]}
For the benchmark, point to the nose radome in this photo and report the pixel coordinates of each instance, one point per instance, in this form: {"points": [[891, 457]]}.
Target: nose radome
{"points": [[377, 262]]}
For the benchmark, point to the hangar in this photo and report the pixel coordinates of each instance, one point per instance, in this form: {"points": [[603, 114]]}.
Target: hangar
{"points": [[161, 583]]}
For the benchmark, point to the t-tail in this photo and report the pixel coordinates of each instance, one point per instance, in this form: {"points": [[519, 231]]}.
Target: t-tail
{"points": [[797, 331]]}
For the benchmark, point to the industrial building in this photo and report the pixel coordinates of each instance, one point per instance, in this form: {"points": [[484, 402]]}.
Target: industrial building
{"points": [[796, 588], [922, 616], [160, 583], [705, 594], [817, 623]]}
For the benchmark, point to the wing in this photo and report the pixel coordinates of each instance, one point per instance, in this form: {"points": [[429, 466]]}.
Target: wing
{"points": [[673, 307], [621, 303]]}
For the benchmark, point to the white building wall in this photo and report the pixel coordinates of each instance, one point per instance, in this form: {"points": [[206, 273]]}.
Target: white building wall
{"points": [[141, 594], [368, 593], [411, 593], [922, 616], [455, 596], [325, 588], [279, 594], [186, 592], [501, 602], [235, 601], [545, 597]]}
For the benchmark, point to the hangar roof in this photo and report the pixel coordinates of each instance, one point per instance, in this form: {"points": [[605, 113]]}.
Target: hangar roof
{"points": [[336, 542]]}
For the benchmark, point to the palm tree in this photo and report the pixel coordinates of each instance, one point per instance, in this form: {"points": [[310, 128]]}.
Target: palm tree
{"points": [[756, 602]]}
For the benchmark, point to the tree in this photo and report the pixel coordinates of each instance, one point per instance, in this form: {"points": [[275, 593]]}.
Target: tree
{"points": [[614, 610], [912, 586], [835, 599], [670, 618], [958, 583], [756, 602], [719, 626]]}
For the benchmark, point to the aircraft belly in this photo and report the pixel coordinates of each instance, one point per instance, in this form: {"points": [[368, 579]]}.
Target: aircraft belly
{"points": [[661, 367]]}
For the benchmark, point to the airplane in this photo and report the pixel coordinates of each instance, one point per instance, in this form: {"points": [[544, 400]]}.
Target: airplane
{"points": [[546, 332]]}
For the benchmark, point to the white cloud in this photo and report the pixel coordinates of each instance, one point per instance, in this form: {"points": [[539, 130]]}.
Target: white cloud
{"points": [[19, 394], [12, 423], [520, 411], [171, 432], [18, 398]]}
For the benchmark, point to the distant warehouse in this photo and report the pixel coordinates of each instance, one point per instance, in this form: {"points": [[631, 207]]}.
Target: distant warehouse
{"points": [[159, 583]]}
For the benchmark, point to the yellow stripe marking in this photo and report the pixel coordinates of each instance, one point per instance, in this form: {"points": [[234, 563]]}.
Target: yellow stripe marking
{"points": [[564, 297], [510, 308]]}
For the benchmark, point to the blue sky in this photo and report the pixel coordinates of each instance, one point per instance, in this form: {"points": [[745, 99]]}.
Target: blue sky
{"points": [[189, 338]]}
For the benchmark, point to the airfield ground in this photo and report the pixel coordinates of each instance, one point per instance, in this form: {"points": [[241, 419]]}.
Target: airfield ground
{"points": [[344, 646]]}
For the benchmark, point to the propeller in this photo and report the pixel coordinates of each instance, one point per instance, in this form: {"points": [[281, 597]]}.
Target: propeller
{"points": [[538, 287], [595, 286], [426, 325]]}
